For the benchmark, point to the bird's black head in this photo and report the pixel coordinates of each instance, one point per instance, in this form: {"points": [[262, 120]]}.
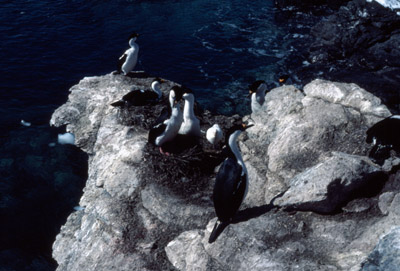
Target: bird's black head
{"points": [[239, 126], [133, 35], [159, 80], [178, 93], [253, 87]]}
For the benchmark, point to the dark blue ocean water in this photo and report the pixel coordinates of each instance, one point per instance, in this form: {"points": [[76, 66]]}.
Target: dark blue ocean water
{"points": [[217, 48]]}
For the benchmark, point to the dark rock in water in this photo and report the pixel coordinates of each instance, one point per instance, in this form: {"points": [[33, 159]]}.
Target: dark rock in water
{"points": [[309, 5], [366, 33], [357, 43]]}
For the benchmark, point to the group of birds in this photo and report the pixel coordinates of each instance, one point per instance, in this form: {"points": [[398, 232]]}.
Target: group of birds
{"points": [[231, 183]]}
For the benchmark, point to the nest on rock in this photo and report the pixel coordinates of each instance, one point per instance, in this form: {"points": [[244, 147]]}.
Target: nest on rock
{"points": [[186, 173], [189, 169], [143, 116]]}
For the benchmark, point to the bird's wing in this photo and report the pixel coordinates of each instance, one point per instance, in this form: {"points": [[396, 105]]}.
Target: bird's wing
{"points": [[156, 131], [121, 61], [229, 189]]}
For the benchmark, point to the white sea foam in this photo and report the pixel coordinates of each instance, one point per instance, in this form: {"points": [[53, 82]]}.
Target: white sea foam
{"points": [[25, 123], [66, 138]]}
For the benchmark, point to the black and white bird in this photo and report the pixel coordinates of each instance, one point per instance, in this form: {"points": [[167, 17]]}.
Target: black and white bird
{"points": [[142, 97], [231, 183], [167, 126], [128, 60], [191, 124], [385, 136], [257, 91], [214, 134]]}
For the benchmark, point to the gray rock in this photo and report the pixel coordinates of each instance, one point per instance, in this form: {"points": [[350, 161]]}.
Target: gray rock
{"points": [[298, 130], [130, 220], [172, 210], [324, 187], [386, 255], [385, 200]]}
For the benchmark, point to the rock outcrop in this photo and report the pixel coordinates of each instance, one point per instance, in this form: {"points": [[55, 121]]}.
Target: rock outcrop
{"points": [[315, 201]]}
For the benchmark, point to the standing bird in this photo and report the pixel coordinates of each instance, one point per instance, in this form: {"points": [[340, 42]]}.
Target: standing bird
{"points": [[231, 183], [128, 60], [257, 91], [191, 124], [214, 134], [385, 136], [142, 97], [167, 126]]}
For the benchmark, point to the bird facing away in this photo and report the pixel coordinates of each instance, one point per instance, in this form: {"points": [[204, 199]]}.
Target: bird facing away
{"points": [[257, 91], [128, 60], [214, 134], [191, 124], [385, 136], [231, 182]]}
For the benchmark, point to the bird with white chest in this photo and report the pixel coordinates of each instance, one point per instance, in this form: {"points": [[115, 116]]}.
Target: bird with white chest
{"points": [[214, 134], [167, 127], [191, 124], [128, 60], [257, 91], [231, 182]]}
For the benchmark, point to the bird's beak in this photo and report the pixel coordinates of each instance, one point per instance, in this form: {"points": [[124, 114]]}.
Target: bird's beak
{"points": [[250, 92], [281, 80], [247, 126], [162, 81]]}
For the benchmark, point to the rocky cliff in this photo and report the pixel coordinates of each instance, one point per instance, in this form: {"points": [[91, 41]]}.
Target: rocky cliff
{"points": [[315, 201]]}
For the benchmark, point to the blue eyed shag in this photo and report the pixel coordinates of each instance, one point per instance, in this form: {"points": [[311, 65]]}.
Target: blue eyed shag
{"points": [[167, 126], [142, 97], [191, 124], [257, 91], [231, 182], [128, 60], [385, 136], [214, 134]]}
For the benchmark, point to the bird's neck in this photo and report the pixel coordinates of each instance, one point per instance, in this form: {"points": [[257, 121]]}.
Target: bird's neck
{"points": [[155, 86], [175, 111], [260, 95], [188, 111], [235, 149]]}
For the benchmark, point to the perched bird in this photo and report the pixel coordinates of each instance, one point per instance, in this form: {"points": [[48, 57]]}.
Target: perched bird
{"points": [[257, 91], [385, 136], [128, 60], [191, 124], [231, 183], [167, 126], [214, 134], [142, 97]]}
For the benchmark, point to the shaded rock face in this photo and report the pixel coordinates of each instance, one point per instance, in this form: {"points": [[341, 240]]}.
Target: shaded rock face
{"points": [[305, 154]]}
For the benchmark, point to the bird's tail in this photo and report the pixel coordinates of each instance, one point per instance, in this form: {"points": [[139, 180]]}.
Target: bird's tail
{"points": [[217, 230], [118, 103]]}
